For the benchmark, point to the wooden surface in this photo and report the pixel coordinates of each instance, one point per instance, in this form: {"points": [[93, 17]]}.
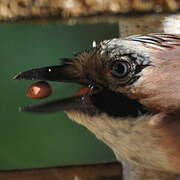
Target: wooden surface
{"points": [[18, 9], [105, 171]]}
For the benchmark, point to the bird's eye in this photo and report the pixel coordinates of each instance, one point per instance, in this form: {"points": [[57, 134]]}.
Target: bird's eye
{"points": [[119, 69]]}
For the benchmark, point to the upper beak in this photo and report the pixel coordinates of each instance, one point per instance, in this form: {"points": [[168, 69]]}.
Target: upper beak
{"points": [[50, 73], [53, 73]]}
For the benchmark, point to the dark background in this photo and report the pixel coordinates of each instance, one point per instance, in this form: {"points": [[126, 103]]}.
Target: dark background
{"points": [[28, 140]]}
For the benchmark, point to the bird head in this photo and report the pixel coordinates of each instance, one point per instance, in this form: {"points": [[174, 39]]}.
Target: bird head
{"points": [[126, 79]]}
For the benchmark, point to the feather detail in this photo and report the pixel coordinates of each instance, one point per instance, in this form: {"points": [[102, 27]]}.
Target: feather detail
{"points": [[156, 40]]}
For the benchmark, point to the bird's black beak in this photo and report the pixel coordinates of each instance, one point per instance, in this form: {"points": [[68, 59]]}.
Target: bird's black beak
{"points": [[72, 103], [60, 73]]}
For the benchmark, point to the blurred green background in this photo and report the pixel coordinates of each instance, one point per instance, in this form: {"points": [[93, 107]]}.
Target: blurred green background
{"points": [[28, 140]]}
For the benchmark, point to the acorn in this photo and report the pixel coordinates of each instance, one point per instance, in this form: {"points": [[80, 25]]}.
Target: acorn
{"points": [[39, 90]]}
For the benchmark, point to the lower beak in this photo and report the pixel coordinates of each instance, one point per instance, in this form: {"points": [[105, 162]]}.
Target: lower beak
{"points": [[72, 103], [59, 73]]}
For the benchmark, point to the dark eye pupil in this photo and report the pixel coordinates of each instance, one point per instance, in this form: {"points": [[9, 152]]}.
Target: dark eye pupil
{"points": [[119, 69]]}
